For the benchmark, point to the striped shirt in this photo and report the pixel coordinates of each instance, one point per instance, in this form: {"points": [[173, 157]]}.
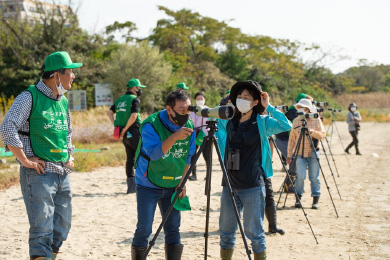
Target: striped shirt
{"points": [[17, 119], [318, 132]]}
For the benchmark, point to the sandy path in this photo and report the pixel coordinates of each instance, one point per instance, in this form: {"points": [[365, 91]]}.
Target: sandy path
{"points": [[104, 217]]}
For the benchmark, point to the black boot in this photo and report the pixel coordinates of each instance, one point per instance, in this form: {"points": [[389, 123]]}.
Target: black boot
{"points": [[173, 252], [297, 203], [270, 213], [315, 202], [131, 185], [137, 253]]}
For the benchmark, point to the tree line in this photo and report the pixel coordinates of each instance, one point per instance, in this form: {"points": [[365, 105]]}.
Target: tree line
{"points": [[207, 54]]}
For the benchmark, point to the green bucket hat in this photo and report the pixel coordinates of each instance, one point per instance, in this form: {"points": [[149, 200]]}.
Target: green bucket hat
{"points": [[181, 204], [300, 96], [60, 60], [199, 138], [182, 85], [135, 83]]}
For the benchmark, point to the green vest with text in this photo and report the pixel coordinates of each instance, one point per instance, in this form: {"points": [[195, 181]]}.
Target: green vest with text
{"points": [[123, 110], [49, 127], [167, 171]]}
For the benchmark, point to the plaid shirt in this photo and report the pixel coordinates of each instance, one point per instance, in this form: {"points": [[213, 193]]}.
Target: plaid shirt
{"points": [[17, 119], [318, 132]]}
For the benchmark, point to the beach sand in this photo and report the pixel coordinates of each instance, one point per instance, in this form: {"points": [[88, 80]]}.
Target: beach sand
{"points": [[104, 217]]}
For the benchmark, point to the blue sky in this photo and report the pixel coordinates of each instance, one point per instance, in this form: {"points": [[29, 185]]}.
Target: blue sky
{"points": [[355, 28]]}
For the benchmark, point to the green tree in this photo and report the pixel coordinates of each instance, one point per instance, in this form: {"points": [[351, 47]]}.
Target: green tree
{"points": [[145, 63]]}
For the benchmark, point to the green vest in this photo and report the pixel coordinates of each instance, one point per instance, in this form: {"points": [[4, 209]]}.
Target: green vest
{"points": [[48, 127], [123, 110], [167, 171]]}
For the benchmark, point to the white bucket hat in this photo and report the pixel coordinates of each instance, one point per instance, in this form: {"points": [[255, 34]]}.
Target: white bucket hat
{"points": [[305, 103]]}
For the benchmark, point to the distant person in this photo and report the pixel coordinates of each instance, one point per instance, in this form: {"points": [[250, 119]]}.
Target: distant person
{"points": [[200, 131], [353, 121], [182, 85], [126, 123], [168, 143], [37, 130], [306, 157]]}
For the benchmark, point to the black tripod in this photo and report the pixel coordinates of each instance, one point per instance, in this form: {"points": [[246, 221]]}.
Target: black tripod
{"points": [[301, 142], [333, 124], [207, 144], [330, 168], [284, 183]]}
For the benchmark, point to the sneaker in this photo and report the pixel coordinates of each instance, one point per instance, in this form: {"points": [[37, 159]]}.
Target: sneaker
{"points": [[192, 177]]}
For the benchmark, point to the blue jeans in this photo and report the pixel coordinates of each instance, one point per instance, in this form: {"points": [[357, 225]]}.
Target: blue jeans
{"points": [[48, 200], [314, 174], [147, 200], [252, 201]]}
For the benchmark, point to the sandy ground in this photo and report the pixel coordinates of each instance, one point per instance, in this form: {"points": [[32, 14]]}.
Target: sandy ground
{"points": [[104, 217]]}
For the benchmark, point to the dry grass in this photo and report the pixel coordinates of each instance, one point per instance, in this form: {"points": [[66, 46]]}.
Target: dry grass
{"points": [[378, 100], [8, 176]]}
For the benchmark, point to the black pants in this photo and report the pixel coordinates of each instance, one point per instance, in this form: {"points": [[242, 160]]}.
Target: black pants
{"points": [[355, 141], [131, 145], [206, 154], [269, 193]]}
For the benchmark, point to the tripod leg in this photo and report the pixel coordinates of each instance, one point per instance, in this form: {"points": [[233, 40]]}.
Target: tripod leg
{"points": [[331, 154], [342, 145], [231, 196], [330, 168], [208, 190], [322, 172], [179, 190]]}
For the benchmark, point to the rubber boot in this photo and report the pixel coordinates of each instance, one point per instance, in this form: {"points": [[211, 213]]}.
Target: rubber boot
{"points": [[130, 185], [137, 253], [173, 252], [297, 203], [315, 202], [270, 213], [261, 256], [226, 254]]}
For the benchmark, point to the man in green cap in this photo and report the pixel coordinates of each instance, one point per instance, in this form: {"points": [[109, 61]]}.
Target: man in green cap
{"points": [[126, 123], [182, 85], [37, 130]]}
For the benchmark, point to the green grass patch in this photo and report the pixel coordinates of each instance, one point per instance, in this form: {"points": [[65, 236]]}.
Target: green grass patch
{"points": [[114, 156]]}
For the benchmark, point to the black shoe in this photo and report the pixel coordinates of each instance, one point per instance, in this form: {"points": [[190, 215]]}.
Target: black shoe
{"points": [[346, 150], [358, 153], [297, 203], [192, 177], [315, 202]]}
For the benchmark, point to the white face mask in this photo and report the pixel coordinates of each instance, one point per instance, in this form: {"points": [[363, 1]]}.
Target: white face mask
{"points": [[200, 102], [243, 105], [301, 110], [61, 90], [353, 109]]}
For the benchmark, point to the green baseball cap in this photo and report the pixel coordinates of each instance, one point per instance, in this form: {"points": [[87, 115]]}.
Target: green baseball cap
{"points": [[300, 96], [181, 204], [60, 60], [135, 83], [182, 85]]}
